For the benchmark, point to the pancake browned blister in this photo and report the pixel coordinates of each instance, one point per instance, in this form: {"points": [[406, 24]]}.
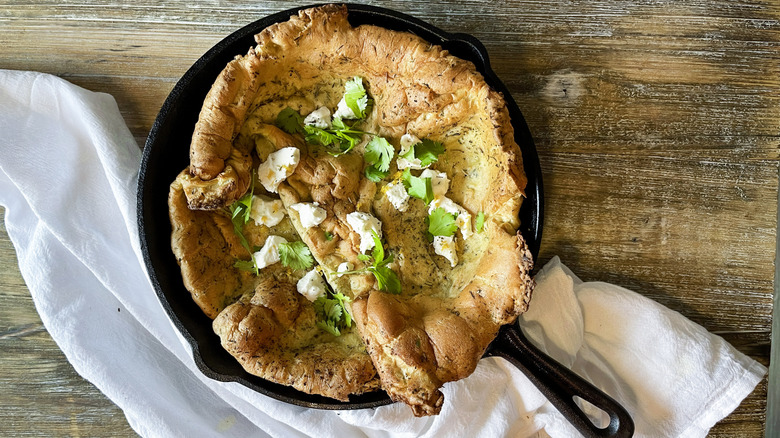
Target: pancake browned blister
{"points": [[449, 307]]}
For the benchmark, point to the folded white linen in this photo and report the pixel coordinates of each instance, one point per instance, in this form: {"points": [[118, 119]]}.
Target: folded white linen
{"points": [[68, 175]]}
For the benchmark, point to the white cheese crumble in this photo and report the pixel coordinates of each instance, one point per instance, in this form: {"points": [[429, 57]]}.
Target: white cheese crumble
{"points": [[464, 224], [266, 211], [310, 214], [269, 253], [279, 165], [364, 224], [462, 217], [445, 246], [344, 112], [311, 285], [439, 181], [397, 195], [319, 118], [345, 267], [407, 141]]}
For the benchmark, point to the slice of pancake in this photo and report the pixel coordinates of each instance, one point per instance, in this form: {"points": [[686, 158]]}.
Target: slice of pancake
{"points": [[261, 319]]}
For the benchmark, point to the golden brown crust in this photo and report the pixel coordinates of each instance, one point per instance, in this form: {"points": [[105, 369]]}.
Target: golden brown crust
{"points": [[222, 190], [413, 78], [206, 249], [418, 343], [439, 327], [262, 320], [219, 173], [273, 335], [222, 115]]}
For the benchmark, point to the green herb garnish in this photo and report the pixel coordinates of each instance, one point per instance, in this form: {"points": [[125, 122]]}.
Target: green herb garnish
{"points": [[479, 222], [295, 255], [240, 211], [333, 313], [340, 137], [386, 279], [374, 174], [441, 223], [246, 265], [427, 151], [420, 188], [379, 153], [356, 98], [290, 121]]}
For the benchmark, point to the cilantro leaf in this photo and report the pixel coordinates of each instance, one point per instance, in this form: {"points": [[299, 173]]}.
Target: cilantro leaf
{"points": [[295, 255], [479, 222], [347, 142], [428, 151], [332, 309], [329, 326], [240, 211], [339, 124], [342, 136], [379, 152], [428, 234], [386, 279], [246, 265], [289, 121], [378, 254], [328, 236], [356, 98], [321, 136], [420, 188], [409, 155], [246, 202], [375, 174], [344, 302], [441, 223], [332, 312]]}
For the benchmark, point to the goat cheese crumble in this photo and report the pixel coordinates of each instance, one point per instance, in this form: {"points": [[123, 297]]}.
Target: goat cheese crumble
{"points": [[266, 211], [397, 195], [311, 285], [310, 214], [365, 225], [269, 253], [319, 118], [445, 246], [278, 167]]}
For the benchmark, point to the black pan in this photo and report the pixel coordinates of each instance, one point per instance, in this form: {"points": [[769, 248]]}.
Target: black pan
{"points": [[166, 153]]}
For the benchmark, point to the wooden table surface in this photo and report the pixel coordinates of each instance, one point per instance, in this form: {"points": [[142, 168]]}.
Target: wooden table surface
{"points": [[657, 125]]}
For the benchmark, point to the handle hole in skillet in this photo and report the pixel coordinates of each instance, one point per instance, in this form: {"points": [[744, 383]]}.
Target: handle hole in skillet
{"points": [[596, 415]]}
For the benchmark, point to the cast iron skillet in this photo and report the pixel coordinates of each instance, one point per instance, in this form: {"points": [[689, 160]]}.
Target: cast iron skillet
{"points": [[166, 154]]}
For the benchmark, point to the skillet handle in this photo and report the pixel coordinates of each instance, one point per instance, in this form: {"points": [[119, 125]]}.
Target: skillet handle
{"points": [[559, 384]]}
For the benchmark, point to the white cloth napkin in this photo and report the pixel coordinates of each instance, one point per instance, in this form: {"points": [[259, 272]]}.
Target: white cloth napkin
{"points": [[68, 179]]}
